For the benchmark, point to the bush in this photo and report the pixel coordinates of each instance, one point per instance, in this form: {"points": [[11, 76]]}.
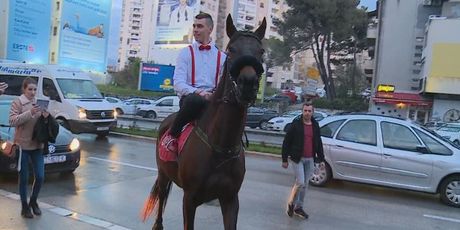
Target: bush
{"points": [[348, 104]]}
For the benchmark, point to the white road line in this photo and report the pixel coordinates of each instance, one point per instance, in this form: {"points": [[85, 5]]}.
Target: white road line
{"points": [[122, 163], [442, 218]]}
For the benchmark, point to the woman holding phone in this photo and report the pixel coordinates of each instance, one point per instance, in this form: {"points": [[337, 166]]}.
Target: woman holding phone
{"points": [[24, 114]]}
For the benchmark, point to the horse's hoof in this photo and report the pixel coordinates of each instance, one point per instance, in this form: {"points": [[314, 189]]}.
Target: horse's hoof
{"points": [[157, 226]]}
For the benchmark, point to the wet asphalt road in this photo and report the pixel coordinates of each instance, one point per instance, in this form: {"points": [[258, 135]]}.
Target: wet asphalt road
{"points": [[116, 174]]}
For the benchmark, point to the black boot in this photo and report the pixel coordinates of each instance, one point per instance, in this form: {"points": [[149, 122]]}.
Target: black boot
{"points": [[34, 205], [25, 212]]}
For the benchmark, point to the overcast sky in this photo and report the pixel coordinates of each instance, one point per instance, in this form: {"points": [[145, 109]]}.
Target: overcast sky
{"points": [[112, 52]]}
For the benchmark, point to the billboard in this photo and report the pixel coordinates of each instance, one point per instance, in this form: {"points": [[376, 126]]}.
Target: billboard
{"points": [[29, 31], [175, 20], [84, 34], [156, 77], [444, 74]]}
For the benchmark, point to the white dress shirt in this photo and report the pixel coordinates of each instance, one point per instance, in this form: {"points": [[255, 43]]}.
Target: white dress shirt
{"points": [[205, 69]]}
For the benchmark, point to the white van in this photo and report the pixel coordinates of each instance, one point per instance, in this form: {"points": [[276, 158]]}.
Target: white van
{"points": [[74, 99]]}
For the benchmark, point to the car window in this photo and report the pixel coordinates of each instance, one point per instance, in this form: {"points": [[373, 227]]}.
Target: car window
{"points": [[166, 102], [49, 87], [433, 145], [359, 131], [146, 102], [450, 128], [398, 136], [111, 100], [14, 84], [329, 129]]}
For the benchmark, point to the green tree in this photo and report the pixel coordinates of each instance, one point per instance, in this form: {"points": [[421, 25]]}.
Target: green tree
{"points": [[129, 77], [318, 25]]}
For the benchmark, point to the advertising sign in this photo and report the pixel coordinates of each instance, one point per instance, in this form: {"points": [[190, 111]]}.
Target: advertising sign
{"points": [[156, 77], [84, 34], [29, 28], [313, 77], [175, 20]]}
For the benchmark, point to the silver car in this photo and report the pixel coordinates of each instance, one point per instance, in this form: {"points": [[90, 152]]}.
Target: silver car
{"points": [[389, 151]]}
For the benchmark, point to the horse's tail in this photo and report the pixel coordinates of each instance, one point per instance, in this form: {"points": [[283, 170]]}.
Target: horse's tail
{"points": [[151, 204]]}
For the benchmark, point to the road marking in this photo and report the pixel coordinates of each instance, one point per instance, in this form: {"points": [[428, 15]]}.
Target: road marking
{"points": [[69, 214], [442, 218], [122, 163]]}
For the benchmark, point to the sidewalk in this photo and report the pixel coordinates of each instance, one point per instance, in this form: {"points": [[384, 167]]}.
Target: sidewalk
{"points": [[52, 217]]}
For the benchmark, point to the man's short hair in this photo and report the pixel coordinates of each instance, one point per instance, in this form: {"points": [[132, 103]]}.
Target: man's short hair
{"points": [[208, 18], [307, 103]]}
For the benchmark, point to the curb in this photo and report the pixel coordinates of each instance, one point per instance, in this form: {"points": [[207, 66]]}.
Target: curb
{"points": [[130, 136]]}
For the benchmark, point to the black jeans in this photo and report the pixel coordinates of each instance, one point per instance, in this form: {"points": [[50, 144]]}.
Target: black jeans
{"points": [[192, 107]]}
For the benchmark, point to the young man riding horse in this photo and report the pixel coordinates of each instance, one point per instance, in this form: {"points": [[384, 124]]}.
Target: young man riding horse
{"points": [[211, 164], [196, 75]]}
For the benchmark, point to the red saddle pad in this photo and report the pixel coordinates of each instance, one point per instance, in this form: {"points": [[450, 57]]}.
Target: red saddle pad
{"points": [[165, 153]]}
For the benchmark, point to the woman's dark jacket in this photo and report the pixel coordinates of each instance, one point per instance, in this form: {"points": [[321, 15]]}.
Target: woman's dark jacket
{"points": [[45, 130], [294, 141]]}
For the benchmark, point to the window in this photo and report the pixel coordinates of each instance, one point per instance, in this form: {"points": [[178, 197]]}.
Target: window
{"points": [[111, 100], [48, 87], [398, 136], [359, 131], [167, 102], [433, 145], [330, 129], [261, 5], [14, 84]]}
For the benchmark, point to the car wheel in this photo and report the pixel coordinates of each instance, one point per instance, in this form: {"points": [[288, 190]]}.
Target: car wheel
{"points": [[119, 111], [263, 125], [450, 191], [151, 115], [288, 126], [63, 122], [320, 176]]}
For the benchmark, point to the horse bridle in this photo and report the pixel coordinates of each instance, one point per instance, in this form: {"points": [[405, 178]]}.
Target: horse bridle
{"points": [[233, 81]]}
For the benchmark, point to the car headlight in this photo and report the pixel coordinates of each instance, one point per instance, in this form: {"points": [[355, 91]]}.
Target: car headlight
{"points": [[81, 113], [3, 146], [74, 145]]}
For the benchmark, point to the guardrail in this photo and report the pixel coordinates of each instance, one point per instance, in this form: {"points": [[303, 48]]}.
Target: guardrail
{"points": [[254, 135]]}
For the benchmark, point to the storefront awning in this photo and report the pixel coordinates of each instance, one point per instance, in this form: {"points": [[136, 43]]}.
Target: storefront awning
{"points": [[405, 98]]}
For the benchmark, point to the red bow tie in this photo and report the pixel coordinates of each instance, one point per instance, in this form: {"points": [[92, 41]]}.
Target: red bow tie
{"points": [[204, 47]]}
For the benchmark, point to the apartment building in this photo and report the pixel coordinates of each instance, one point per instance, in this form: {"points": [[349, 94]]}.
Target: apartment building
{"points": [[414, 75], [135, 31]]}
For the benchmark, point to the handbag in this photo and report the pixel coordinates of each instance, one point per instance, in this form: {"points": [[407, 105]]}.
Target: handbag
{"points": [[10, 149]]}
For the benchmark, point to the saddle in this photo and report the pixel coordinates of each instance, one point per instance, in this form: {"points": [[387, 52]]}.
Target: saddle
{"points": [[170, 148]]}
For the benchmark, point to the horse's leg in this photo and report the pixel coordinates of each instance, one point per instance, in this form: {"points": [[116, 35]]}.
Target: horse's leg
{"points": [[189, 209], [230, 207], [164, 184]]}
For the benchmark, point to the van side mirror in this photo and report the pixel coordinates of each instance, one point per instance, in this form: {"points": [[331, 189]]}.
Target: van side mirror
{"points": [[422, 149], [54, 96]]}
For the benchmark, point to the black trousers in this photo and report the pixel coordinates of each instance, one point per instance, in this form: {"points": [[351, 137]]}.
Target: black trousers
{"points": [[192, 107]]}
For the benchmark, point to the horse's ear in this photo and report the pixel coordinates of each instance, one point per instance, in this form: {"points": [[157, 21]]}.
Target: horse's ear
{"points": [[260, 32], [231, 29]]}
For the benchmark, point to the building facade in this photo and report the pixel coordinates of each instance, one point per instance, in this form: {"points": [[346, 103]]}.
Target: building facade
{"points": [[403, 77]]}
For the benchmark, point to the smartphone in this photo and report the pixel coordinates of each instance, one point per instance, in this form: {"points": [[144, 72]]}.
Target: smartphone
{"points": [[43, 104]]}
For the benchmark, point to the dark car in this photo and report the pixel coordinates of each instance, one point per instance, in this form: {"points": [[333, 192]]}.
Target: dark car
{"points": [[279, 98], [259, 117], [64, 155]]}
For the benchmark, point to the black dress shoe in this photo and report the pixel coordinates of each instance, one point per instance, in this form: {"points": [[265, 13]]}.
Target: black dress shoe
{"points": [[301, 213], [290, 210], [35, 208], [26, 213]]}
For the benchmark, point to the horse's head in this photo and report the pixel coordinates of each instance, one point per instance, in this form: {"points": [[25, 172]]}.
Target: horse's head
{"points": [[244, 61]]}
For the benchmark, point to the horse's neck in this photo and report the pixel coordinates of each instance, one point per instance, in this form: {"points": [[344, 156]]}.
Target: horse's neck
{"points": [[224, 124]]}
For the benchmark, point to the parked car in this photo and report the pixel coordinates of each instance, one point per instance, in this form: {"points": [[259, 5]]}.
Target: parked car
{"points": [[116, 103], [283, 122], [433, 125], [279, 98], [259, 117], [133, 105], [450, 131], [162, 107], [64, 155], [388, 151]]}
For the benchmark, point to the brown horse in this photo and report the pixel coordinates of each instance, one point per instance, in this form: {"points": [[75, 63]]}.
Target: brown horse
{"points": [[212, 164]]}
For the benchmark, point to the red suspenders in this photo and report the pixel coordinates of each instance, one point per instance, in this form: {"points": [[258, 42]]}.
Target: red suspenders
{"points": [[193, 66]]}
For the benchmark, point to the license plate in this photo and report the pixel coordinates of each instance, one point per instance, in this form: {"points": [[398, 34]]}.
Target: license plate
{"points": [[54, 159], [102, 128]]}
